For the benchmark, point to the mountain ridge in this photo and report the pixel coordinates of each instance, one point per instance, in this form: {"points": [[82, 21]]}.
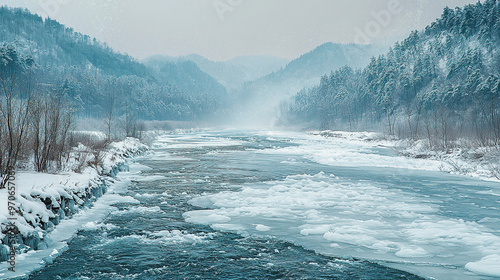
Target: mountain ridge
{"points": [[232, 73]]}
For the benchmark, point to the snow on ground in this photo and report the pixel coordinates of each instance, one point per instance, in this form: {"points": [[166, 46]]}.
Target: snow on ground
{"points": [[66, 187]]}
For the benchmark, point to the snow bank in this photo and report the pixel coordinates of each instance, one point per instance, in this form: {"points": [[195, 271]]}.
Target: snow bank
{"points": [[465, 159], [46, 202]]}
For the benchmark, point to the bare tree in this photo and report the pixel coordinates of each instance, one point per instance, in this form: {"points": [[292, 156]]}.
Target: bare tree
{"points": [[16, 96], [51, 130], [110, 111]]}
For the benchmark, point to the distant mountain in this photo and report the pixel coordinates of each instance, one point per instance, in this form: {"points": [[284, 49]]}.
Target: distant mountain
{"points": [[188, 77], [266, 93], [306, 70], [233, 73], [327, 58]]}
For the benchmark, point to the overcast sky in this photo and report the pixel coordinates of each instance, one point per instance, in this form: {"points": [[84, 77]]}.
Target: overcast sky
{"points": [[223, 29]]}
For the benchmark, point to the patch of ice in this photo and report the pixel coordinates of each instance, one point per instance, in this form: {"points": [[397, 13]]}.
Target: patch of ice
{"points": [[315, 229], [239, 229], [93, 226], [412, 252], [262, 228], [205, 217], [140, 210], [173, 142], [489, 265]]}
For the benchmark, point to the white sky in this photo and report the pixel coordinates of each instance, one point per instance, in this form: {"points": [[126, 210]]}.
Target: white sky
{"points": [[283, 28]]}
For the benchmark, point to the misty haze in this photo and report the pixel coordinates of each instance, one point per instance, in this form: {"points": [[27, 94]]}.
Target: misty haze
{"points": [[250, 139]]}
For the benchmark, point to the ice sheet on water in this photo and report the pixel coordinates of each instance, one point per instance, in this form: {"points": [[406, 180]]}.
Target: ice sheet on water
{"points": [[262, 228], [173, 142], [164, 156], [239, 229], [206, 217], [351, 218]]}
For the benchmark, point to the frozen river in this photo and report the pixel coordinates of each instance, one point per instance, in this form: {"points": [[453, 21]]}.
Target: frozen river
{"points": [[276, 205]]}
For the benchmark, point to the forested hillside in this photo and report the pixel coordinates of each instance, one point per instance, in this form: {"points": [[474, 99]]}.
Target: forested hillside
{"points": [[53, 45], [95, 78], [440, 83]]}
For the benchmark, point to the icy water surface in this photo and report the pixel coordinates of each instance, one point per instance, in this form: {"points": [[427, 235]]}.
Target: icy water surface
{"points": [[263, 205]]}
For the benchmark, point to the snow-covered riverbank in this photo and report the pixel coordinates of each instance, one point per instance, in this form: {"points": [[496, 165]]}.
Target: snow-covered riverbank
{"points": [[463, 159], [52, 207]]}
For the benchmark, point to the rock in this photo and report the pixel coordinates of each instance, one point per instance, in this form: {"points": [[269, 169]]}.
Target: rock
{"points": [[4, 253]]}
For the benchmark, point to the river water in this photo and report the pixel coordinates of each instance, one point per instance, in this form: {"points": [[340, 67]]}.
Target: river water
{"points": [[276, 205]]}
